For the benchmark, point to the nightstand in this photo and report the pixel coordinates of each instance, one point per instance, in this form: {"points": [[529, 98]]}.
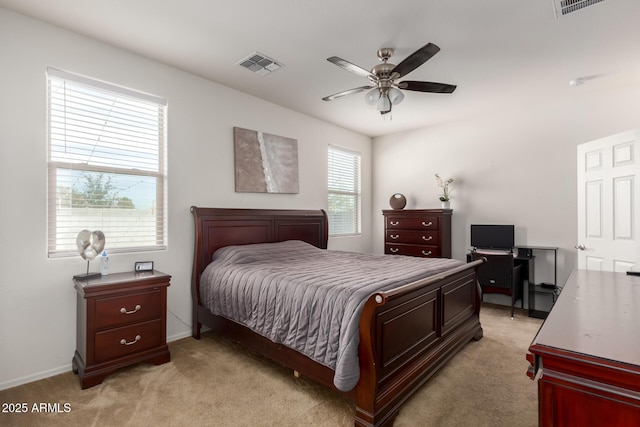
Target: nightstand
{"points": [[122, 320]]}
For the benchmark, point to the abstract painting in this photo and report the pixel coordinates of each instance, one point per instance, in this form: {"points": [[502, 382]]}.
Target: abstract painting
{"points": [[265, 163]]}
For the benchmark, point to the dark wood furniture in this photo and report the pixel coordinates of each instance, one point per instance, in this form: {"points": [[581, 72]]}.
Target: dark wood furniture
{"points": [[587, 353], [526, 258], [406, 334], [418, 232], [500, 275], [121, 321]]}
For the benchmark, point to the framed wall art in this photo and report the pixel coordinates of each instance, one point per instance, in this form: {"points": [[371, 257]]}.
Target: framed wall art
{"points": [[265, 163]]}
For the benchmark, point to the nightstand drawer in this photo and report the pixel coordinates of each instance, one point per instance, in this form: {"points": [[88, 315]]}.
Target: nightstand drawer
{"points": [[128, 340], [127, 309]]}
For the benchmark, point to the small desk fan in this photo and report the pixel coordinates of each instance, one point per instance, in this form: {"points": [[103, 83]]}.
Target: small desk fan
{"points": [[89, 244]]}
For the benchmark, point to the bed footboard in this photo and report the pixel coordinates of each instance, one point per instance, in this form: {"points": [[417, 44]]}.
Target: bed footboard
{"points": [[408, 333]]}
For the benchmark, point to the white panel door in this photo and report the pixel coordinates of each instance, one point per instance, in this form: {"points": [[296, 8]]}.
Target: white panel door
{"points": [[609, 203]]}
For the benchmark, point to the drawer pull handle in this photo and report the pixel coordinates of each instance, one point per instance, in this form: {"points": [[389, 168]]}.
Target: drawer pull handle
{"points": [[393, 250], [394, 236], [427, 238], [426, 253], [124, 310], [124, 342], [427, 224], [394, 222]]}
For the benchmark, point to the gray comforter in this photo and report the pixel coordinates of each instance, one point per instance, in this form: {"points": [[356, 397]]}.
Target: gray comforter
{"points": [[306, 298]]}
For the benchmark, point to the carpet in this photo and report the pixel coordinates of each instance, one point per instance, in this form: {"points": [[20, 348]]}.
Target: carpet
{"points": [[214, 382]]}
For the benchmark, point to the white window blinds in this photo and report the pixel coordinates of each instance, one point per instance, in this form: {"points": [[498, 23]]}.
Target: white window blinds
{"points": [[344, 191], [107, 165]]}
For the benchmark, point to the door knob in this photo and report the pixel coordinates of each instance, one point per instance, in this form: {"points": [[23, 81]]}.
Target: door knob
{"points": [[580, 247]]}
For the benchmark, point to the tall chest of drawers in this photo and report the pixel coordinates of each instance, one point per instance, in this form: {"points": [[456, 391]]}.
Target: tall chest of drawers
{"points": [[121, 321], [418, 232]]}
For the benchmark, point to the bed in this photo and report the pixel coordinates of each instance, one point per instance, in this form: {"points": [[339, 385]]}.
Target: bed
{"points": [[405, 333]]}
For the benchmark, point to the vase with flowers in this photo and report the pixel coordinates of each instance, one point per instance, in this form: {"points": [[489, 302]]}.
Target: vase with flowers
{"points": [[445, 197]]}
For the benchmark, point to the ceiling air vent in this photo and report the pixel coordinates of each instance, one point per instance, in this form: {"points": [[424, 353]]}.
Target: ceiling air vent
{"points": [[564, 7], [259, 63]]}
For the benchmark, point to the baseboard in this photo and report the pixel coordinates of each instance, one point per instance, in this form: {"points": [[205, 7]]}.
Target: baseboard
{"points": [[35, 377], [66, 368], [179, 336]]}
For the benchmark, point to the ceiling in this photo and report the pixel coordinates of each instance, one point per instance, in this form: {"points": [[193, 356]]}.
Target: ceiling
{"points": [[502, 54]]}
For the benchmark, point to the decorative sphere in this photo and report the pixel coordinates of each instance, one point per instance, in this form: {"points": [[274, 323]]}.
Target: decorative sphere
{"points": [[398, 201]]}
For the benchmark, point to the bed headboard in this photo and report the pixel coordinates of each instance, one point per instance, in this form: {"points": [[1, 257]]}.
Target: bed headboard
{"points": [[218, 227]]}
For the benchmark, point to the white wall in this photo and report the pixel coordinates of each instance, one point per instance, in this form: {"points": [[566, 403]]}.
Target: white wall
{"points": [[516, 166], [37, 299]]}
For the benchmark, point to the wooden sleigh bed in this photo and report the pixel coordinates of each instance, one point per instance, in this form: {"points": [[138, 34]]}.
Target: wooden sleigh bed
{"points": [[406, 333]]}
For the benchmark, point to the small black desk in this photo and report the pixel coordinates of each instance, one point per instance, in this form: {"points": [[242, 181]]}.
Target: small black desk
{"points": [[528, 273], [525, 258]]}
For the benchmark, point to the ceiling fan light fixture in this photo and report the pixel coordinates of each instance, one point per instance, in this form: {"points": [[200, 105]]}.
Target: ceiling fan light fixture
{"points": [[384, 89], [395, 96], [372, 96], [384, 104]]}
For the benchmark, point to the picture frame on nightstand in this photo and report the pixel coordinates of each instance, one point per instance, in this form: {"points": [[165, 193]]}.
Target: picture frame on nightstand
{"points": [[143, 266]]}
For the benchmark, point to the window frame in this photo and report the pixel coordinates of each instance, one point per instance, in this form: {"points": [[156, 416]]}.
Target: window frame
{"points": [[356, 194], [159, 175]]}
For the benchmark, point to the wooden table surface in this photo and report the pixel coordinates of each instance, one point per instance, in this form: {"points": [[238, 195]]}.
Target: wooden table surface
{"points": [[597, 314]]}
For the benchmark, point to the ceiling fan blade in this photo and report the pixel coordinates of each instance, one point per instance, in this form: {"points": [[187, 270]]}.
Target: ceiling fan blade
{"points": [[416, 59], [346, 92], [427, 86], [350, 67]]}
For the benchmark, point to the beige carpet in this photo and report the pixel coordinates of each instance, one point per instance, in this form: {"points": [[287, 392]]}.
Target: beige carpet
{"points": [[213, 382]]}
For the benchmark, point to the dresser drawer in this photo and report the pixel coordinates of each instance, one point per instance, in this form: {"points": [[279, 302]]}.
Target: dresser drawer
{"points": [[127, 340], [413, 223], [127, 309], [412, 250], [407, 236]]}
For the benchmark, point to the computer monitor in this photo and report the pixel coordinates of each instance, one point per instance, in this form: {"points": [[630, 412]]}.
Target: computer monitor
{"points": [[491, 236]]}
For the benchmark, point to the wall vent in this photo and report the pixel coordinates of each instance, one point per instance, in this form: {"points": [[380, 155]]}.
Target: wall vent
{"points": [[564, 7], [260, 64]]}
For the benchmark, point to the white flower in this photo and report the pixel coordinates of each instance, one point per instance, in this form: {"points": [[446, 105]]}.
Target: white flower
{"points": [[446, 191]]}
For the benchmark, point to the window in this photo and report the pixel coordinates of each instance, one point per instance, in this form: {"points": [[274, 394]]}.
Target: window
{"points": [[344, 192], [107, 165]]}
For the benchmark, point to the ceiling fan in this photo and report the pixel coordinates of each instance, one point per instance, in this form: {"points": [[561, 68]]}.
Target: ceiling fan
{"points": [[383, 77]]}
